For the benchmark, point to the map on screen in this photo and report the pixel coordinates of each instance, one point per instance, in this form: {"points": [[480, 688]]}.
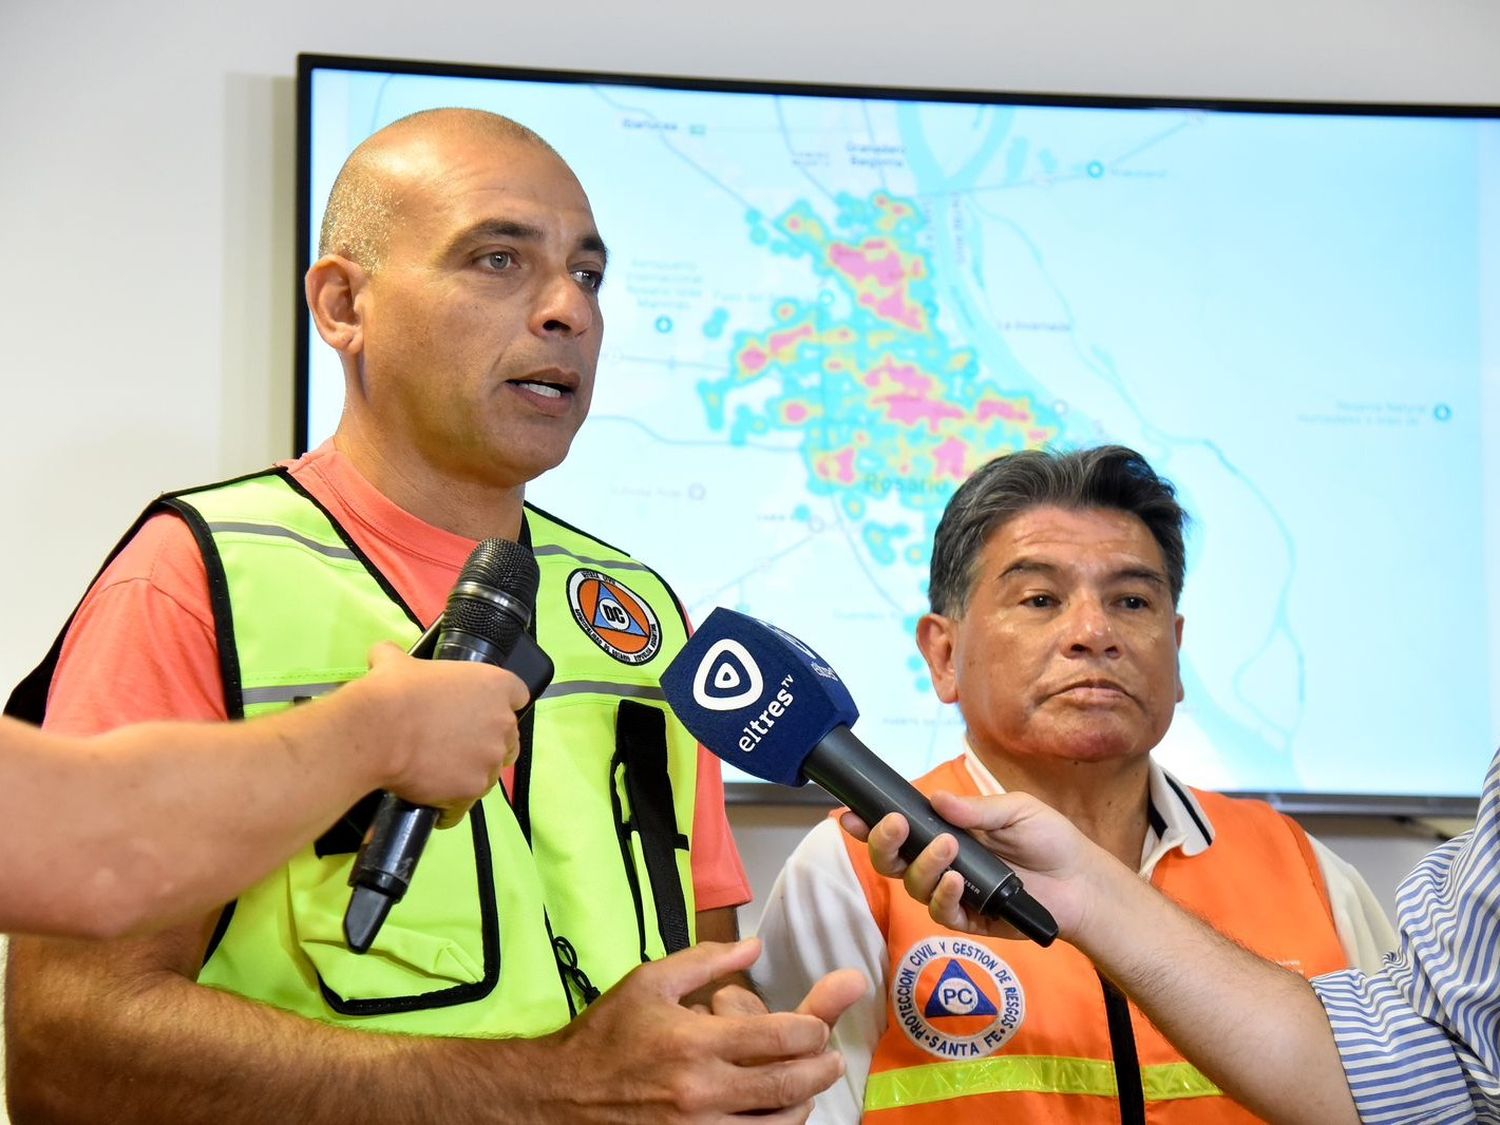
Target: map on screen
{"points": [[823, 312]]}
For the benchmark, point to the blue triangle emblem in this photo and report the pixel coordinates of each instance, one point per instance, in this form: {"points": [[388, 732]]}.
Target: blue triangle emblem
{"points": [[956, 994], [610, 614]]}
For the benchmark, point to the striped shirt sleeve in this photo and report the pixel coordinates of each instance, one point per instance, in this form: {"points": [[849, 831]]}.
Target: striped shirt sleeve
{"points": [[1420, 1040]]}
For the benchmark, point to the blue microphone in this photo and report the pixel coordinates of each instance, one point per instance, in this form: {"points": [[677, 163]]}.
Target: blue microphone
{"points": [[765, 702]]}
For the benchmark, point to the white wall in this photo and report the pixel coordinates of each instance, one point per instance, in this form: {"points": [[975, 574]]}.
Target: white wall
{"points": [[146, 288]]}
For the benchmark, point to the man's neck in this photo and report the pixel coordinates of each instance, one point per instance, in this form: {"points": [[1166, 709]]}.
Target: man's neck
{"points": [[464, 506], [1106, 800]]}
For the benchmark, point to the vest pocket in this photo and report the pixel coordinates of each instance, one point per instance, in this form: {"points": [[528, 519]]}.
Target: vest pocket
{"points": [[439, 946], [649, 837]]}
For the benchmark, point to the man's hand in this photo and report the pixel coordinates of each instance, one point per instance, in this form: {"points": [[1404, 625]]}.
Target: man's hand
{"points": [[1055, 860], [446, 727], [828, 999], [638, 1055]]}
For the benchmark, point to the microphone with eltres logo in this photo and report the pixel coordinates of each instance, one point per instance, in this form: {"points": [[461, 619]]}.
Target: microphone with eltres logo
{"points": [[766, 703], [485, 620]]}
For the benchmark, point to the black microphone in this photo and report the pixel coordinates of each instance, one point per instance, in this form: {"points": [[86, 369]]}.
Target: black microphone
{"points": [[485, 619], [763, 701]]}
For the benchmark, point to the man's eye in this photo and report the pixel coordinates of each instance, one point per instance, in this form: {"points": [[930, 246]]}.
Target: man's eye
{"points": [[1134, 601], [592, 280], [1040, 601], [499, 260]]}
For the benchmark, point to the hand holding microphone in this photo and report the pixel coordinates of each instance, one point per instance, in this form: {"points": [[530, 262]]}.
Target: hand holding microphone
{"points": [[1061, 866], [444, 730], [485, 621], [766, 703]]}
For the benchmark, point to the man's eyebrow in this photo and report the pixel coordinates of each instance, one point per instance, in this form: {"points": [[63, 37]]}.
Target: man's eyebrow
{"points": [[511, 230], [595, 245], [1148, 574], [1141, 574], [496, 228], [1028, 566]]}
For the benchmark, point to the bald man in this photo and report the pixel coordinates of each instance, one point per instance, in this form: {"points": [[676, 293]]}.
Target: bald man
{"points": [[540, 967]]}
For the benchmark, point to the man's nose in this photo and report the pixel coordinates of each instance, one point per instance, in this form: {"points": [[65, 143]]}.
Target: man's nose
{"points": [[563, 307], [1087, 627]]}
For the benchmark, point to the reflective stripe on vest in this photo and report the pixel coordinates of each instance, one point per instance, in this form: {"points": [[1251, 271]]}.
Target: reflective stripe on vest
{"points": [[935, 1082], [1023, 1033], [468, 950], [1031, 1074]]}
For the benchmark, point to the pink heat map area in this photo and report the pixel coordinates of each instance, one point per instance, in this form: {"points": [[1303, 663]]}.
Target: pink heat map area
{"points": [[877, 390]]}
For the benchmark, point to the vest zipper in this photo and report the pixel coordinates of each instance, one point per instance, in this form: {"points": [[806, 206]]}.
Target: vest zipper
{"points": [[1128, 1089], [567, 962]]}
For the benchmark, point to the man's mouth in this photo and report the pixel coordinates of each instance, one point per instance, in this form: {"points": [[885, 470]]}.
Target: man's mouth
{"points": [[554, 386], [1093, 689], [546, 390]]}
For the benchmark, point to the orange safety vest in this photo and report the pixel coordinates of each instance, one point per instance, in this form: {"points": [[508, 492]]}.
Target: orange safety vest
{"points": [[1007, 1031]]}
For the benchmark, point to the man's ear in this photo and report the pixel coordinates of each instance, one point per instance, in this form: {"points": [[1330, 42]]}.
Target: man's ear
{"points": [[333, 285], [937, 640], [1181, 692]]}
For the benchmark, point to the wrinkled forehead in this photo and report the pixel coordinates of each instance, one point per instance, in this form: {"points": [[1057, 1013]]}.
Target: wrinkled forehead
{"points": [[460, 175], [1086, 537]]}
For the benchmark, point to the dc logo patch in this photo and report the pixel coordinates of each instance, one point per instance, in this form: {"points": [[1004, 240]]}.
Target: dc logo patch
{"points": [[615, 618], [956, 999]]}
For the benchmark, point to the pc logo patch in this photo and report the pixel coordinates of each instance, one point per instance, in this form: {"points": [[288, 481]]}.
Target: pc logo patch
{"points": [[727, 677], [614, 617], [956, 999]]}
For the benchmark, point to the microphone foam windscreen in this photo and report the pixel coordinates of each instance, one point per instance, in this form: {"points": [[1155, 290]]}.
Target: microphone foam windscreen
{"points": [[756, 696]]}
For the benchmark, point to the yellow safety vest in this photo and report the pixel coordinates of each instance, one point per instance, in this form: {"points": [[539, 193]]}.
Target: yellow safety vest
{"points": [[517, 918]]}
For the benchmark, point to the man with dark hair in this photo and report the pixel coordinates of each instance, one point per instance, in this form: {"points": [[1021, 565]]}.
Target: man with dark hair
{"points": [[1054, 628], [459, 285], [1107, 476]]}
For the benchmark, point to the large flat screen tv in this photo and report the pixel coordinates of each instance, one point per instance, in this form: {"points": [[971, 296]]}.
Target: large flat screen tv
{"points": [[826, 305]]}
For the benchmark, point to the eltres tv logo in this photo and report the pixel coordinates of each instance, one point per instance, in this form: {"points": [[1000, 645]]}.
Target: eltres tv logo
{"points": [[728, 679]]}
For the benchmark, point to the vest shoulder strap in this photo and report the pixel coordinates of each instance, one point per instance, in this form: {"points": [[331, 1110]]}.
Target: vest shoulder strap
{"points": [[548, 535], [1258, 818], [307, 602]]}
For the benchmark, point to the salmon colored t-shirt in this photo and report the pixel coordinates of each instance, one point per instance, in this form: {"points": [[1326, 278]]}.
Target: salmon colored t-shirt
{"points": [[142, 646]]}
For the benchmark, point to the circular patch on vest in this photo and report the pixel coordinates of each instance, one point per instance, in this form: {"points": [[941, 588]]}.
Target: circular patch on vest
{"points": [[956, 999], [616, 618]]}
